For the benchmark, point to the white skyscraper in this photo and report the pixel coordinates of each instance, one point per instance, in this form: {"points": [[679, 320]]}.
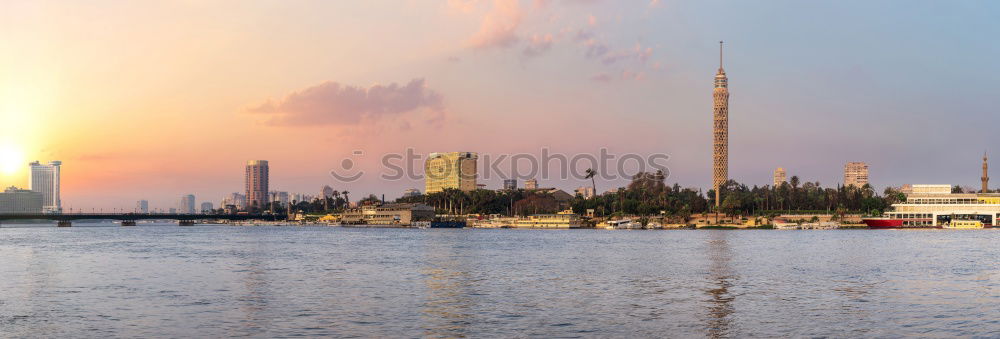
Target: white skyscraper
{"points": [[45, 180], [142, 206]]}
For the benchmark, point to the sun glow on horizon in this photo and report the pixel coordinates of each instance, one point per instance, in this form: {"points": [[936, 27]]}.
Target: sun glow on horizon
{"points": [[12, 159]]}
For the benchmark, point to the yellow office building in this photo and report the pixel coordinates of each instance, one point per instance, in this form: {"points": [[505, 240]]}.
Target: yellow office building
{"points": [[450, 170]]}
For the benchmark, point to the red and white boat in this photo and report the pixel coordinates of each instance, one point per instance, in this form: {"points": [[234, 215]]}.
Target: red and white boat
{"points": [[883, 222]]}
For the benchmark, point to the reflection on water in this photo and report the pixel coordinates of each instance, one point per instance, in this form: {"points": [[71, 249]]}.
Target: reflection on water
{"points": [[721, 277], [256, 291], [201, 281], [446, 310]]}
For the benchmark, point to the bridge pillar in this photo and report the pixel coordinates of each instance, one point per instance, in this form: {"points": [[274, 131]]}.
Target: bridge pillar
{"points": [[128, 222], [185, 222], [64, 223]]}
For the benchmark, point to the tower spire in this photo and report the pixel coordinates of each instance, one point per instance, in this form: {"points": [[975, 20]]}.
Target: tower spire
{"points": [[986, 176], [720, 57]]}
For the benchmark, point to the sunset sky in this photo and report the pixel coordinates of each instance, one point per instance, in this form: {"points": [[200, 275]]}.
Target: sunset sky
{"points": [[156, 99]]}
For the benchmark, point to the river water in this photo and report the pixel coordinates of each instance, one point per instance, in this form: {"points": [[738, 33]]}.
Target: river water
{"points": [[216, 281]]}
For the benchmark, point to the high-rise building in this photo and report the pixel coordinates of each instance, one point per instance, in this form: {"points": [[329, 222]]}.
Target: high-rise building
{"points": [[142, 206], [206, 207], [779, 177], [586, 192], [855, 174], [235, 199], [44, 179], [986, 176], [455, 170], [186, 205], [257, 184], [326, 192], [510, 184], [720, 154], [15, 200], [279, 197], [531, 184]]}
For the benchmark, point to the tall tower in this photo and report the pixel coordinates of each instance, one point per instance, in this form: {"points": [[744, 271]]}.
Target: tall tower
{"points": [[720, 98], [45, 179], [986, 177], [257, 175]]}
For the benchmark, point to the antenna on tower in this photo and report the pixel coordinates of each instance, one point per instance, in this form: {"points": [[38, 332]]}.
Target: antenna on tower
{"points": [[720, 54]]}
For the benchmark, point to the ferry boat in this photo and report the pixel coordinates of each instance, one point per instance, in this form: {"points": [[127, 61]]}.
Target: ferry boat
{"points": [[965, 225], [935, 206], [564, 219]]}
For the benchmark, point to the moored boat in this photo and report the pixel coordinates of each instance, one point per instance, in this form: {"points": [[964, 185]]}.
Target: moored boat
{"points": [[883, 223], [440, 223], [965, 225]]}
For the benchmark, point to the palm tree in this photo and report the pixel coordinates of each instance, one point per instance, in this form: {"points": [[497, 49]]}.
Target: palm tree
{"points": [[347, 197], [590, 175]]}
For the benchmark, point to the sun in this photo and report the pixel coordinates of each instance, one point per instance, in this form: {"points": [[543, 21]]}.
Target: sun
{"points": [[11, 159]]}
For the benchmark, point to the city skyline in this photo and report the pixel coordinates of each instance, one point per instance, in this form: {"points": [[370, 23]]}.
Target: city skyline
{"points": [[576, 76]]}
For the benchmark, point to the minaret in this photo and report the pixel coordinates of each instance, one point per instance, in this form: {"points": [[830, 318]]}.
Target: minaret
{"points": [[986, 177], [720, 98]]}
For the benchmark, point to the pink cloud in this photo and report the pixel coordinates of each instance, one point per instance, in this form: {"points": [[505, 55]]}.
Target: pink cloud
{"points": [[538, 45], [331, 103], [636, 53], [464, 6], [499, 26]]}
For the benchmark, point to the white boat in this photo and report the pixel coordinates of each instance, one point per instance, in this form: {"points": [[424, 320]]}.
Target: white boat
{"points": [[623, 224], [780, 224]]}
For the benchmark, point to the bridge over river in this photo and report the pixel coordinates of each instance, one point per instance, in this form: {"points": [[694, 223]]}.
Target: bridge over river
{"points": [[129, 219]]}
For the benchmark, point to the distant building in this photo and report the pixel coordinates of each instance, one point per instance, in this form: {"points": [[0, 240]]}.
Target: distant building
{"points": [[531, 184], [173, 210], [15, 200], [299, 197], [186, 205], [257, 174], [411, 192], [586, 192], [780, 177], [235, 199], [206, 207], [389, 214], [454, 170], [856, 174], [44, 179], [279, 197], [326, 192], [142, 206], [558, 195], [510, 184]]}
